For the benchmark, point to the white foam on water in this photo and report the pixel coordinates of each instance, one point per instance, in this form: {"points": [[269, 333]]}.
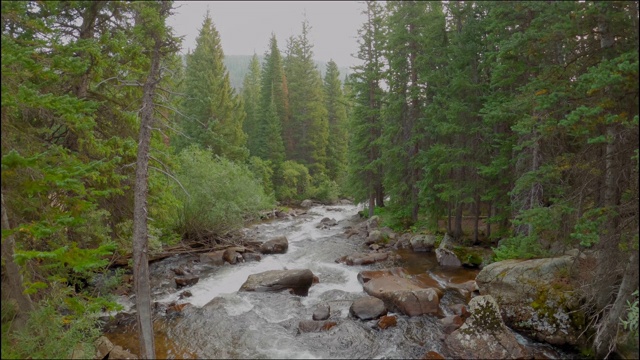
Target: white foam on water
{"points": [[229, 278]]}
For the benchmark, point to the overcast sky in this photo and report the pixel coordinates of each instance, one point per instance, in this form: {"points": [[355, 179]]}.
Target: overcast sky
{"points": [[246, 26]]}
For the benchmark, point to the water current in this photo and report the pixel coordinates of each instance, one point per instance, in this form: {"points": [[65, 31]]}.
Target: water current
{"points": [[220, 322]]}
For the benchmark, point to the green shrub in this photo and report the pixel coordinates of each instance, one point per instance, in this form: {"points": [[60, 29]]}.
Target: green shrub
{"points": [[263, 171], [631, 324], [221, 194], [295, 182], [324, 189], [519, 247], [49, 334]]}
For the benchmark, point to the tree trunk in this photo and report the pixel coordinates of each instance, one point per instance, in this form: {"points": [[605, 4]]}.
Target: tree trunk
{"points": [[489, 215], [476, 224], [12, 287], [140, 235], [372, 203], [457, 234], [449, 206], [606, 334]]}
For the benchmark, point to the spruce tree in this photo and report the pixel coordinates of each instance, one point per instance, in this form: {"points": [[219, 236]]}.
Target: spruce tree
{"points": [[273, 92], [309, 129], [251, 99], [212, 113], [364, 151], [337, 116]]}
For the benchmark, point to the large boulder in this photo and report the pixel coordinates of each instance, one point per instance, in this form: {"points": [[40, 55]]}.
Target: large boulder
{"points": [[401, 294], [367, 308], [278, 245], [421, 243], [536, 297], [483, 335], [299, 281]]}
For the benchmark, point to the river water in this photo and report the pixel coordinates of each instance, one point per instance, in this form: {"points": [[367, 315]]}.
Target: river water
{"points": [[220, 322]]}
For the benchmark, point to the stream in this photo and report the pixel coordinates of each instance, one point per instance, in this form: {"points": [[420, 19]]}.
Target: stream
{"points": [[220, 322]]}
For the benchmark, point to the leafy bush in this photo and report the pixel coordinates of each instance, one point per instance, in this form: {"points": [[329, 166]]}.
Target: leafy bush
{"points": [[263, 171], [48, 333], [221, 194], [324, 189], [631, 324], [519, 247], [295, 182]]}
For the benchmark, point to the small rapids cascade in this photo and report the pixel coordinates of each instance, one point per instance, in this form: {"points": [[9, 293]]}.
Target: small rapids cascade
{"points": [[219, 321]]}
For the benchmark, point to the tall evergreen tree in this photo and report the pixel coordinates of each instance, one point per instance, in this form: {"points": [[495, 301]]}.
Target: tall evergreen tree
{"points": [[309, 128], [337, 116], [364, 151], [416, 37], [213, 114], [251, 99], [273, 92]]}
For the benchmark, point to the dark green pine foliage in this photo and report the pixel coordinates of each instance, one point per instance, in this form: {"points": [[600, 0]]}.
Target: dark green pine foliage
{"points": [[273, 92], [271, 135], [364, 151], [453, 161], [308, 130], [213, 114], [415, 40], [337, 116], [251, 99]]}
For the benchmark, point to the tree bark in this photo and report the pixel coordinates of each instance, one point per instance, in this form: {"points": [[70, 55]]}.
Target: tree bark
{"points": [[12, 287], [140, 231], [605, 339]]}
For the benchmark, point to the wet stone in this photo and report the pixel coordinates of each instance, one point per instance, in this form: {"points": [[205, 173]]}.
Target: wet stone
{"points": [[186, 281], [387, 321], [322, 312], [306, 326], [367, 308]]}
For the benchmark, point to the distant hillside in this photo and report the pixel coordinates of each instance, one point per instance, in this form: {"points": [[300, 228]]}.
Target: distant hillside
{"points": [[238, 67]]}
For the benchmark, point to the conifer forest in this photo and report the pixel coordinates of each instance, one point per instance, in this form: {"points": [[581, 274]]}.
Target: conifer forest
{"points": [[510, 126]]}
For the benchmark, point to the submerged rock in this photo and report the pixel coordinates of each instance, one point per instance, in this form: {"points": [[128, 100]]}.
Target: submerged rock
{"points": [[322, 312], [363, 258], [299, 281], [387, 321], [306, 326], [484, 335], [366, 275]]}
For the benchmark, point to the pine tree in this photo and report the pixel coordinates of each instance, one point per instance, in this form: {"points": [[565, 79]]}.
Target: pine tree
{"points": [[309, 129], [213, 114], [416, 37], [251, 97], [337, 116], [364, 151]]}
